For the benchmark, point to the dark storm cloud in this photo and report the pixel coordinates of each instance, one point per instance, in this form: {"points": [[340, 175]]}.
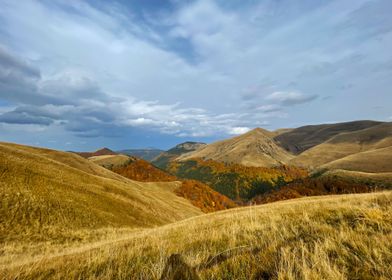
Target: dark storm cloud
{"points": [[14, 117]]}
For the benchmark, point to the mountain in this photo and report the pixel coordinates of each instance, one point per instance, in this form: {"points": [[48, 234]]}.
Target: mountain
{"points": [[146, 154], [100, 152], [349, 143], [254, 148], [165, 158], [49, 195], [303, 138]]}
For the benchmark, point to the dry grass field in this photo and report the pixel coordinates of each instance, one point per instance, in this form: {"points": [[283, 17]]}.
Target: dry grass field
{"points": [[110, 160], [347, 144], [330, 237], [52, 199], [374, 161]]}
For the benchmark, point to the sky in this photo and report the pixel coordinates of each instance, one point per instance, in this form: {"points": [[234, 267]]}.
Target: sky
{"points": [[80, 75]]}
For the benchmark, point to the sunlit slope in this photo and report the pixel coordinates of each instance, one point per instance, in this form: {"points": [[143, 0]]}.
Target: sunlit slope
{"points": [[46, 193], [346, 144], [110, 160], [374, 161], [332, 237], [303, 138], [254, 148]]}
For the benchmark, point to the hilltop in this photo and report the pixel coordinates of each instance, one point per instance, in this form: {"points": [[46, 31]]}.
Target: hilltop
{"points": [[254, 148], [100, 152], [174, 153]]}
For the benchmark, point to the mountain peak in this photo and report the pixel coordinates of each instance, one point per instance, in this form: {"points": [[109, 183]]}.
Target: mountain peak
{"points": [[105, 150], [258, 131]]}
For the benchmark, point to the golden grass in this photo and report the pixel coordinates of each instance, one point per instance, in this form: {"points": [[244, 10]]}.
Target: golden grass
{"points": [[254, 148], [110, 160], [377, 161], [331, 237], [350, 143], [50, 198]]}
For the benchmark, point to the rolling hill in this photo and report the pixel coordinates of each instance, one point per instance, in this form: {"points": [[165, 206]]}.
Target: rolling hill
{"points": [[303, 138], [110, 161], [47, 194], [346, 144], [328, 237], [254, 148]]}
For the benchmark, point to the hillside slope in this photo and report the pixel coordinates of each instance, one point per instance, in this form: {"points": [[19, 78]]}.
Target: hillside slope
{"points": [[199, 194], [345, 144], [254, 148], [163, 160], [331, 237], [303, 138], [373, 161], [45, 193], [110, 161]]}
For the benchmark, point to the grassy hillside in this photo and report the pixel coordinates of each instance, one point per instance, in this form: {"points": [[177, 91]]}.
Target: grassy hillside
{"points": [[332, 237], [236, 181], [254, 148], [346, 144], [303, 138], [374, 161], [48, 195], [110, 161]]}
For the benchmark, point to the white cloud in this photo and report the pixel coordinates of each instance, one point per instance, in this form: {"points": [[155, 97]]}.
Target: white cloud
{"points": [[238, 130], [114, 71], [288, 98]]}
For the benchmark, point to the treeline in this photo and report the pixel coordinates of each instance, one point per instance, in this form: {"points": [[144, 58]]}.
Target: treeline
{"points": [[203, 197], [141, 170], [313, 187], [238, 182], [199, 194]]}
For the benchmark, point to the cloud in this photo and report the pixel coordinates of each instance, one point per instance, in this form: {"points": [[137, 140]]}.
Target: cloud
{"points": [[238, 130], [199, 69], [15, 117], [270, 108], [289, 98]]}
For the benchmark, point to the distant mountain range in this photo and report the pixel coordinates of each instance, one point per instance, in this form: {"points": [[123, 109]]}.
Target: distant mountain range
{"points": [[364, 146], [147, 154]]}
